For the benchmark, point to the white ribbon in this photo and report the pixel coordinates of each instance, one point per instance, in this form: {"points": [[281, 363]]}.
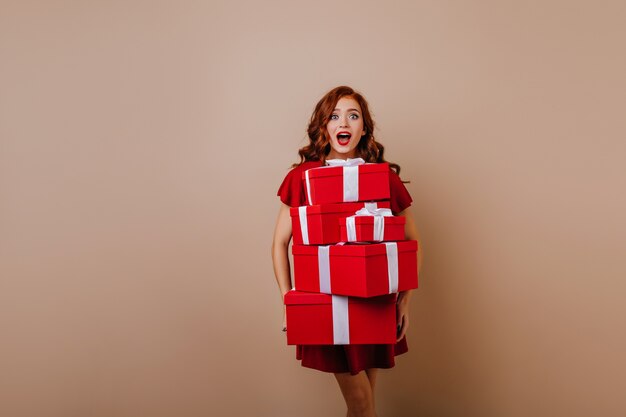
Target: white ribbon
{"points": [[351, 229], [392, 266], [350, 183], [323, 263], [304, 226], [379, 222], [308, 186], [341, 320]]}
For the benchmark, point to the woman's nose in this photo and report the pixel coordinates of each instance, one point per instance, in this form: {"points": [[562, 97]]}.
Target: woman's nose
{"points": [[344, 121]]}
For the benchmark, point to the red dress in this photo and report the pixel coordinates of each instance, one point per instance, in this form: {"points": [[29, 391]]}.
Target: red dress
{"points": [[344, 358]]}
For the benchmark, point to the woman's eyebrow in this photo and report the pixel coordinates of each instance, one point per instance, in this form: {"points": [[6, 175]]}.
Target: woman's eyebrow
{"points": [[356, 110]]}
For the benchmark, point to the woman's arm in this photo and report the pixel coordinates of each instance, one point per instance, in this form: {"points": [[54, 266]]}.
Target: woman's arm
{"points": [[280, 247], [404, 297]]}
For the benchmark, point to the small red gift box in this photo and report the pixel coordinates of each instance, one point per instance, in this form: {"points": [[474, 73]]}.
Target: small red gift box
{"points": [[360, 270], [321, 319], [319, 224], [372, 228], [343, 184]]}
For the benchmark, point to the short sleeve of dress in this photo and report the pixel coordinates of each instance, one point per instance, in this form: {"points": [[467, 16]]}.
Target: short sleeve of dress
{"points": [[291, 191], [400, 197]]}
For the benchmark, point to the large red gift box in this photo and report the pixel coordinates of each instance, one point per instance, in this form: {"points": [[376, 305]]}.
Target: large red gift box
{"points": [[321, 319], [319, 224], [343, 184], [360, 270], [372, 228]]}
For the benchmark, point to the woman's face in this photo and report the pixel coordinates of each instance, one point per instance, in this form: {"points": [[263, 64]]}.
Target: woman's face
{"points": [[345, 129]]}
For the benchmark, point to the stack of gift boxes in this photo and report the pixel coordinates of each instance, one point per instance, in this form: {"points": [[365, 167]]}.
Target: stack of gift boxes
{"points": [[350, 258]]}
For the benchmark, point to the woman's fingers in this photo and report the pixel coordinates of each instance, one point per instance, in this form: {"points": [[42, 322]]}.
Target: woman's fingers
{"points": [[402, 327]]}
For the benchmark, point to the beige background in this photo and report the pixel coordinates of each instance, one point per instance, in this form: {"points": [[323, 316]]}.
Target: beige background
{"points": [[142, 144]]}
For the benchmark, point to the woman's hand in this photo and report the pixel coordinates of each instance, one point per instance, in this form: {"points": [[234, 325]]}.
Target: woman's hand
{"points": [[402, 314], [284, 318], [402, 306]]}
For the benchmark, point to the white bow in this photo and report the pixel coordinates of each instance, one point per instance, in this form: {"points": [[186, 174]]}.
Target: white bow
{"points": [[366, 211], [350, 162]]}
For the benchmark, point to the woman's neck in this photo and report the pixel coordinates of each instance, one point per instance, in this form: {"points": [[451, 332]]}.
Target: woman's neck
{"points": [[345, 156]]}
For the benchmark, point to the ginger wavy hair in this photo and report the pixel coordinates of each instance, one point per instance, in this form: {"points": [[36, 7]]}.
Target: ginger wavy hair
{"points": [[319, 139]]}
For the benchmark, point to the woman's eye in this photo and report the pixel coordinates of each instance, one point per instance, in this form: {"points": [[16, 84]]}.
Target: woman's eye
{"points": [[354, 116], [334, 117]]}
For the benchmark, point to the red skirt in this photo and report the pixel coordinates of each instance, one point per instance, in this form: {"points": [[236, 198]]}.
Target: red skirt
{"points": [[349, 358]]}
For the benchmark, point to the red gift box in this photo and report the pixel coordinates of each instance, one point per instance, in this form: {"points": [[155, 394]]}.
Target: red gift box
{"points": [[343, 184], [360, 270], [368, 228], [319, 224], [321, 319]]}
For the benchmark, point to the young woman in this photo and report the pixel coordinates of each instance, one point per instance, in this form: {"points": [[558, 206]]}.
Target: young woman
{"points": [[341, 127]]}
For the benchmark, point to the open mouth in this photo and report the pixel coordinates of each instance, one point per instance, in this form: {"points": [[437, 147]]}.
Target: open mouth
{"points": [[343, 138]]}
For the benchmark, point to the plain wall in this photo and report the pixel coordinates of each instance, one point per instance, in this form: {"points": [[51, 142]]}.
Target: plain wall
{"points": [[141, 148]]}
